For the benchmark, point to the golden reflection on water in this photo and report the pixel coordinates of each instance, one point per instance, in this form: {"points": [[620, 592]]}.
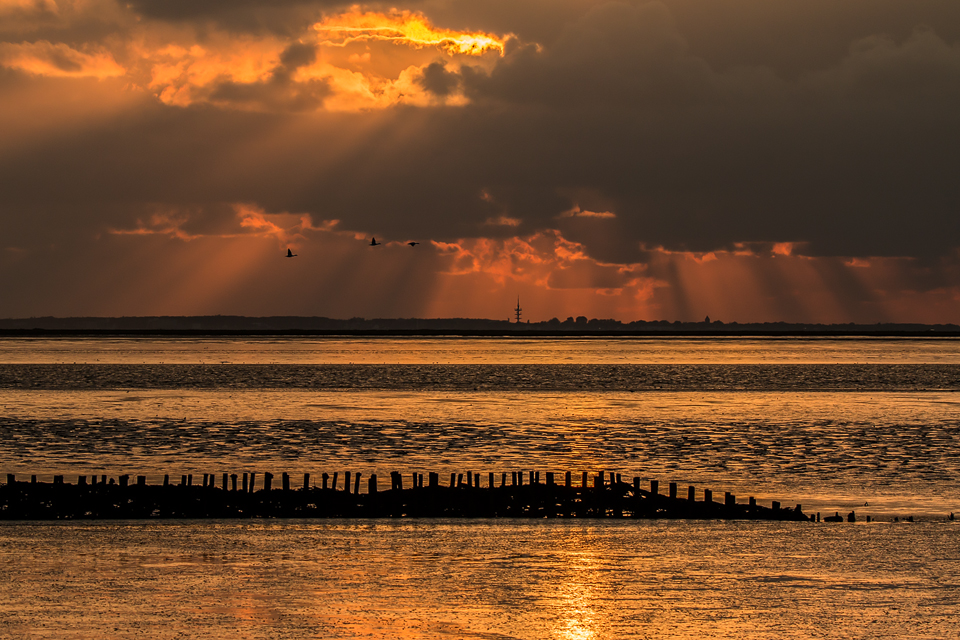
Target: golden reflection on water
{"points": [[576, 615]]}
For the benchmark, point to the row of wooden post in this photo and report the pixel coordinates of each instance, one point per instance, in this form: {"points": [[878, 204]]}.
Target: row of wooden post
{"points": [[247, 482]]}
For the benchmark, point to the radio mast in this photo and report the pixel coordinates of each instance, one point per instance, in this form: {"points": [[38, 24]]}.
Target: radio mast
{"points": [[517, 310]]}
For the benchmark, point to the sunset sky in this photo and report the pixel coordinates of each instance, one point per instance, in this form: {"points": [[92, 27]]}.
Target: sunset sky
{"points": [[750, 160]]}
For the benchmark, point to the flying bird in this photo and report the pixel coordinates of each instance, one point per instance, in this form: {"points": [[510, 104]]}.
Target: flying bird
{"points": [[373, 242], [413, 244], [291, 254]]}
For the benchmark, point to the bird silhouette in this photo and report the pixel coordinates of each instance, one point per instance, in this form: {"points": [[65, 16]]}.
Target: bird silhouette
{"points": [[413, 244], [291, 254], [374, 243]]}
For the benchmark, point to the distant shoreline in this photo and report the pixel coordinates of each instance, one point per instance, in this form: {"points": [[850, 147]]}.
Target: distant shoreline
{"points": [[477, 333], [191, 326]]}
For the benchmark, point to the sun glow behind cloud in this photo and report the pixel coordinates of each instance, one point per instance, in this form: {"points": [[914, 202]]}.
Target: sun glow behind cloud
{"points": [[403, 27]]}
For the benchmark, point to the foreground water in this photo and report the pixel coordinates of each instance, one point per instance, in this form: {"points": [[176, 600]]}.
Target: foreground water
{"points": [[483, 580], [835, 424]]}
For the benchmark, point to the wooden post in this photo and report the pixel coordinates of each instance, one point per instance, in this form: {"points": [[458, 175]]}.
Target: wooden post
{"points": [[775, 505], [267, 481], [285, 481], [598, 481], [513, 478], [536, 478], [124, 479], [691, 494], [567, 479], [469, 478], [166, 479], [93, 480], [476, 480], [141, 481], [356, 483], [183, 480], [503, 479], [81, 481], [673, 490], [433, 479], [654, 487], [532, 481], [33, 479], [707, 495], [189, 479], [233, 482], [253, 481], [453, 480], [729, 499], [549, 478], [103, 479], [372, 483], [204, 480], [614, 479], [459, 479], [636, 486], [306, 481], [583, 480], [323, 479], [417, 482], [57, 479], [346, 481], [490, 480], [753, 501], [224, 484], [11, 479], [519, 478]]}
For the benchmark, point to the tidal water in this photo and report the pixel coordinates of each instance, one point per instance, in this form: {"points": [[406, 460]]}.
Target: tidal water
{"points": [[871, 425]]}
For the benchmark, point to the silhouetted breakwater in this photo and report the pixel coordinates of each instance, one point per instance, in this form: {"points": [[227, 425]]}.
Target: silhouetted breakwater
{"points": [[503, 495]]}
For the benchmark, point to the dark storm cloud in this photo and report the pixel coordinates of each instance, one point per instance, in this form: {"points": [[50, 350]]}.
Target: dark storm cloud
{"points": [[279, 16], [437, 80]]}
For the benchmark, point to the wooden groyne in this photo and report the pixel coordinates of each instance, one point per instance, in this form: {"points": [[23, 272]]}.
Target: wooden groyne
{"points": [[470, 495]]}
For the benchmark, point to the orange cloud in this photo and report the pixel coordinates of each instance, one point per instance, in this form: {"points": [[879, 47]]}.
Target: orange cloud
{"points": [[577, 212], [252, 72], [546, 260], [29, 6], [248, 72], [503, 221], [403, 27], [44, 58], [782, 248], [243, 220]]}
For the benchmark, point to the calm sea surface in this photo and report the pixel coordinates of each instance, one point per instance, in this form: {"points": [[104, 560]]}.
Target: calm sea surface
{"points": [[871, 425]]}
